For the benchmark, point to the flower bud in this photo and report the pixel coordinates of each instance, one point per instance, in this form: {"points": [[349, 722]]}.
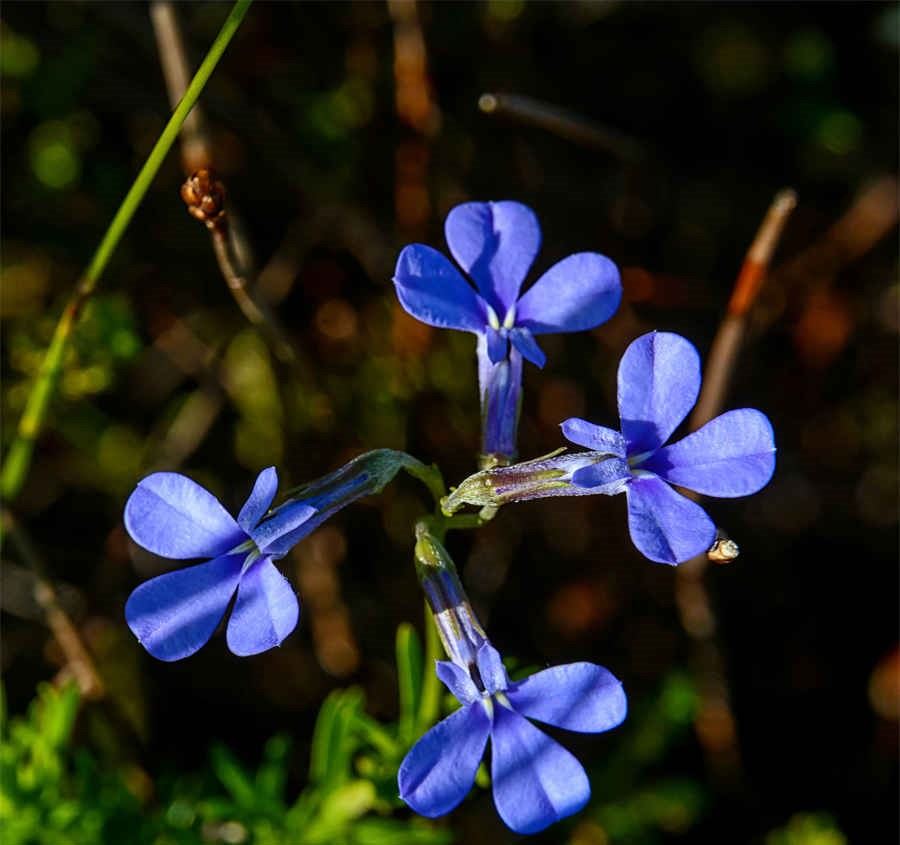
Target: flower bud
{"points": [[550, 475], [204, 196], [457, 625]]}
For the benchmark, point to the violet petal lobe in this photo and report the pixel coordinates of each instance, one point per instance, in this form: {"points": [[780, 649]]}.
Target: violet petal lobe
{"points": [[265, 612], [490, 667], [524, 341], [659, 379], [171, 515], [457, 680], [536, 781], [278, 534], [732, 455], [609, 477], [578, 293], [578, 697], [175, 614], [260, 499], [593, 437], [439, 769], [433, 290], [664, 525], [497, 345], [495, 243]]}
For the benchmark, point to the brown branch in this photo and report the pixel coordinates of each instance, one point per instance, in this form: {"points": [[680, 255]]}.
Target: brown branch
{"points": [[728, 340], [195, 151], [416, 107], [715, 723], [563, 123], [78, 659], [872, 214], [203, 194]]}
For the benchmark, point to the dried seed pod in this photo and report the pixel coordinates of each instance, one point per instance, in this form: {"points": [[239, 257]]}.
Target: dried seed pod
{"points": [[204, 196], [723, 550]]}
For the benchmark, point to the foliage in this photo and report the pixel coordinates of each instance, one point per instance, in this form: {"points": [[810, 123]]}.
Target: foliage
{"points": [[54, 792]]}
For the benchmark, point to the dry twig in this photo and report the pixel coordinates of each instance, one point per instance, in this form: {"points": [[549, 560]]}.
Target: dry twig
{"points": [[715, 720], [204, 194], [78, 659]]}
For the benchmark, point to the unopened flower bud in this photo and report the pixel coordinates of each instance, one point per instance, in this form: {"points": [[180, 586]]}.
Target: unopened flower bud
{"points": [[537, 479], [204, 196], [457, 625]]}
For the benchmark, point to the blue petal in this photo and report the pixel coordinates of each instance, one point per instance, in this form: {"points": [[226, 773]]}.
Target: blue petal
{"points": [[578, 697], [664, 525], [490, 667], [458, 681], [440, 768], [497, 345], [659, 379], [524, 341], [732, 455], [594, 437], [578, 293], [278, 534], [432, 290], [536, 781], [265, 612], [170, 515], [609, 477], [495, 243], [260, 499], [175, 614]]}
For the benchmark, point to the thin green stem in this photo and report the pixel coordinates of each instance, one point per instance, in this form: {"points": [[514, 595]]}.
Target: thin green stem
{"points": [[430, 476], [18, 458], [430, 702]]}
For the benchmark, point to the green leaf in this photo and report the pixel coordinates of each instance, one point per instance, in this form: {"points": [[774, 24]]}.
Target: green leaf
{"points": [[340, 807], [409, 680], [334, 742], [233, 777], [272, 772], [430, 702], [53, 714], [390, 832]]}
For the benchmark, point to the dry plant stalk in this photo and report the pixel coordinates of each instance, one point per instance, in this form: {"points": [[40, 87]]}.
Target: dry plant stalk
{"points": [[78, 659], [715, 723], [203, 193]]}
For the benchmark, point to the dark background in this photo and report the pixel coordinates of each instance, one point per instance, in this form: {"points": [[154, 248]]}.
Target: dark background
{"points": [[727, 103]]}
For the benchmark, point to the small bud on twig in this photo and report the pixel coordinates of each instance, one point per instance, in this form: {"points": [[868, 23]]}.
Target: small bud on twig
{"points": [[723, 550], [204, 196]]}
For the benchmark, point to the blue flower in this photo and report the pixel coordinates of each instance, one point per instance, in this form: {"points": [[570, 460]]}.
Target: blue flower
{"points": [[536, 782], [174, 614], [732, 455], [495, 243]]}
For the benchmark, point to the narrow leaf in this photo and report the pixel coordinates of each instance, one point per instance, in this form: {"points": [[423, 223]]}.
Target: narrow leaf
{"points": [[409, 680]]}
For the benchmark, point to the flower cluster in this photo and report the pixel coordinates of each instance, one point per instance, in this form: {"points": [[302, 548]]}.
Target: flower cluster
{"points": [[535, 781]]}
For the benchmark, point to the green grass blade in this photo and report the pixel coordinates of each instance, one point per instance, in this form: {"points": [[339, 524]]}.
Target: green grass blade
{"points": [[18, 458]]}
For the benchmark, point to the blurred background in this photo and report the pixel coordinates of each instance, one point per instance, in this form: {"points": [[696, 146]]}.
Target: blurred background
{"points": [[765, 694]]}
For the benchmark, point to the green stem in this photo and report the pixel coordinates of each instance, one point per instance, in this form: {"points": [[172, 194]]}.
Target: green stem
{"points": [[430, 476], [18, 458], [430, 702]]}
